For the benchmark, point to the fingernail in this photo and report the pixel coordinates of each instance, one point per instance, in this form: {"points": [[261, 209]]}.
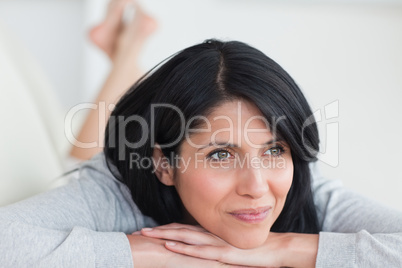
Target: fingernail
{"points": [[170, 244], [138, 232], [146, 229]]}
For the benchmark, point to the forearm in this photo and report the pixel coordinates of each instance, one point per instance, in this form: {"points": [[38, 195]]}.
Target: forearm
{"points": [[24, 245], [292, 249], [357, 231], [303, 250], [360, 249]]}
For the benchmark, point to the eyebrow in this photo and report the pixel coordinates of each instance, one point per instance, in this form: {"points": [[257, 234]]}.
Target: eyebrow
{"points": [[226, 144]]}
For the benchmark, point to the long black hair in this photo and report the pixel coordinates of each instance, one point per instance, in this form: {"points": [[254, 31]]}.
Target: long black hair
{"points": [[195, 80]]}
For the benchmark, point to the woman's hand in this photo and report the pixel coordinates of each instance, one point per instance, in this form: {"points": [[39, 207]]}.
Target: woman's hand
{"points": [[287, 249], [151, 252]]}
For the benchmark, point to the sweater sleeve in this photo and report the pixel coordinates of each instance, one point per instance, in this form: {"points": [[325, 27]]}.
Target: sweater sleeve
{"points": [[25, 245], [81, 224], [356, 231]]}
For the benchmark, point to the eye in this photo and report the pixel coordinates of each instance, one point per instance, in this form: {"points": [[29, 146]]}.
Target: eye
{"points": [[276, 151], [218, 155]]}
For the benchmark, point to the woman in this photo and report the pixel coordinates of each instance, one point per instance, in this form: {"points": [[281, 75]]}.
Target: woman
{"points": [[214, 137], [216, 91]]}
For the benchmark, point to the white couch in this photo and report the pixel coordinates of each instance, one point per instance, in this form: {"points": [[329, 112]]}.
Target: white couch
{"points": [[32, 142]]}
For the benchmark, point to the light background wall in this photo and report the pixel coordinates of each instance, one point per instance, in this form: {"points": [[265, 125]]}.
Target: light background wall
{"points": [[342, 52]]}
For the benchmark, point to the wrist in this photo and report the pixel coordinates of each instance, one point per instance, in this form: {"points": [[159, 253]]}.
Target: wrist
{"points": [[301, 250]]}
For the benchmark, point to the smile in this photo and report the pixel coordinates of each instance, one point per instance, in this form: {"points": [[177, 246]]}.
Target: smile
{"points": [[251, 215]]}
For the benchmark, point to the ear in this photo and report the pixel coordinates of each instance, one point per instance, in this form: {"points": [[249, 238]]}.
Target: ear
{"points": [[163, 170]]}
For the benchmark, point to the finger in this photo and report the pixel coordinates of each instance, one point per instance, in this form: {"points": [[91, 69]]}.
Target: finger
{"points": [[183, 235], [173, 226], [179, 225], [179, 234]]}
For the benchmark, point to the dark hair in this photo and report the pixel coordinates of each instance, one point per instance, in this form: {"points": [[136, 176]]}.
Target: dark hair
{"points": [[196, 80]]}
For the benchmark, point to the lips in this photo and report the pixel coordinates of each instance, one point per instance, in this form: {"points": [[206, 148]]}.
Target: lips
{"points": [[251, 215]]}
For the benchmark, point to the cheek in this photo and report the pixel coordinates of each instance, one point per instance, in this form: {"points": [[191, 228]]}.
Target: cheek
{"points": [[201, 191], [279, 179], [280, 183]]}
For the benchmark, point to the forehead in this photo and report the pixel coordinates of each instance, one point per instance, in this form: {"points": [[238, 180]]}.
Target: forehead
{"points": [[239, 113], [233, 122]]}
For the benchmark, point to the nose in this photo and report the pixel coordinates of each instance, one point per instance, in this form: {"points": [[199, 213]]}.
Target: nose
{"points": [[252, 183]]}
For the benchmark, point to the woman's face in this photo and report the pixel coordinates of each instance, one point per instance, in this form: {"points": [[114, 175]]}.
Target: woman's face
{"points": [[233, 176]]}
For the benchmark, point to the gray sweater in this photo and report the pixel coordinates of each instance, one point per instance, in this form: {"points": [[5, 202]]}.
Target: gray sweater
{"points": [[83, 224]]}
